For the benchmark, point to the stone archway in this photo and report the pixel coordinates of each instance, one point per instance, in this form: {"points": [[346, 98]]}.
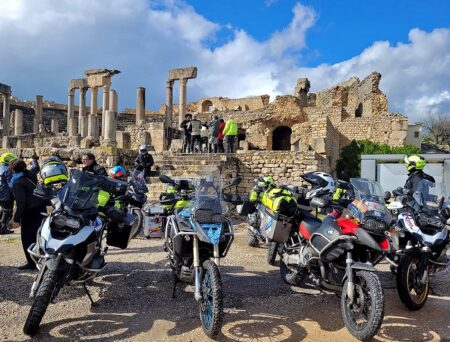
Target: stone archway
{"points": [[281, 138], [206, 106]]}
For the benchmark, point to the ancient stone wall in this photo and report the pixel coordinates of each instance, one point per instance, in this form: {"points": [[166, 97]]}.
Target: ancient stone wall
{"points": [[149, 133]]}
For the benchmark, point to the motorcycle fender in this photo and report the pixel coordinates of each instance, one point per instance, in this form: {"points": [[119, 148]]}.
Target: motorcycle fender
{"points": [[363, 267], [56, 264]]}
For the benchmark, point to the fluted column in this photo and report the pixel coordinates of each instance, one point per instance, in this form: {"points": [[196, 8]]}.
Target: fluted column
{"points": [[18, 122], [110, 128], [140, 106], [113, 101], [70, 104], [92, 121], [82, 119], [182, 100], [105, 106], [6, 115], [169, 104], [37, 122]]}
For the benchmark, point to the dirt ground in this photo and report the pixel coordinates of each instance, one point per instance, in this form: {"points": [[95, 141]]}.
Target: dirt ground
{"points": [[135, 304]]}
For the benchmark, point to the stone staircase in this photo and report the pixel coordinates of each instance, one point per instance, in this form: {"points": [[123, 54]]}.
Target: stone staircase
{"points": [[183, 166]]}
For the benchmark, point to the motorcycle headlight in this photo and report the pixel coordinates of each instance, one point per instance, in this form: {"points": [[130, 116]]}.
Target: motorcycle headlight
{"points": [[373, 225], [63, 221]]}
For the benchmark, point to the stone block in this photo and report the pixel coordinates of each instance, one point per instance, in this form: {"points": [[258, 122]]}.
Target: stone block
{"points": [[123, 140], [318, 145], [176, 145], [87, 142], [74, 141]]}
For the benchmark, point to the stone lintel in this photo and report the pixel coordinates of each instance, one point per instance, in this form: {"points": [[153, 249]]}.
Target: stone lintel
{"points": [[180, 73], [80, 83], [103, 72], [5, 89]]}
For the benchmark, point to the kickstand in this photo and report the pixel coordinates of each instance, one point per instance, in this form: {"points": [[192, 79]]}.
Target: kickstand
{"points": [[174, 289], [89, 295]]}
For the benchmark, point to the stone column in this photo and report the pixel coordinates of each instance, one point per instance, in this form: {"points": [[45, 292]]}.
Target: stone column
{"points": [[113, 101], [105, 106], [18, 122], [92, 121], [55, 125], [182, 100], [82, 120], [140, 106], [6, 114], [169, 103], [70, 104], [38, 114], [110, 128]]}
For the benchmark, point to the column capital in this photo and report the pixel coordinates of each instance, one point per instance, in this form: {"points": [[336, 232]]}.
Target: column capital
{"points": [[183, 81]]}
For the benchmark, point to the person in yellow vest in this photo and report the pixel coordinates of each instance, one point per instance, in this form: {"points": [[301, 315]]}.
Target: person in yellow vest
{"points": [[230, 131]]}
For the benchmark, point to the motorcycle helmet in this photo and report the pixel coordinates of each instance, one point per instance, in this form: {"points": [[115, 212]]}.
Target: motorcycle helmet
{"points": [[415, 162], [321, 184], [53, 171], [7, 158], [143, 148], [117, 172]]}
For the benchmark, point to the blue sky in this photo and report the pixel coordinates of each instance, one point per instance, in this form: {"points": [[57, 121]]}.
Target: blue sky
{"points": [[241, 48]]}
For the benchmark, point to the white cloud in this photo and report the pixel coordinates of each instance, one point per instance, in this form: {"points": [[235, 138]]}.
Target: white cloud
{"points": [[45, 43]]}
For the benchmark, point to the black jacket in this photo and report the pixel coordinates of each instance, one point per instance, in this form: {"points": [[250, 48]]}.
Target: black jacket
{"points": [[143, 161], [95, 169], [214, 128], [25, 200], [415, 177], [186, 126]]}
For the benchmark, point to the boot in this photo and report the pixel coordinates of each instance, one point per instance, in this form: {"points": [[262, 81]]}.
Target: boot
{"points": [[5, 230]]}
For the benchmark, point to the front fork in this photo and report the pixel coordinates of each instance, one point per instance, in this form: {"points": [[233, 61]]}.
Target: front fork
{"points": [[198, 268], [350, 284]]}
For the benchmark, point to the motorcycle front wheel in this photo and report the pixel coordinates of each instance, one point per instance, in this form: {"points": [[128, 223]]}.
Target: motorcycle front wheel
{"points": [[412, 292], [137, 227], [363, 316], [272, 249], [41, 302], [211, 304]]}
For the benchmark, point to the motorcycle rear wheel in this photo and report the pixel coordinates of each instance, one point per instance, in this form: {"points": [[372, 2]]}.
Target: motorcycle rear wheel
{"points": [[139, 223], [411, 292], [272, 249], [211, 304], [368, 306], [41, 302], [252, 240]]}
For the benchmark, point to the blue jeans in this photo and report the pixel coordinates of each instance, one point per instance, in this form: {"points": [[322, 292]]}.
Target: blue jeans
{"points": [[229, 139]]}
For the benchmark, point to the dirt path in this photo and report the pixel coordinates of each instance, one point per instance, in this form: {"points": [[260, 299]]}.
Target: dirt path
{"points": [[135, 304]]}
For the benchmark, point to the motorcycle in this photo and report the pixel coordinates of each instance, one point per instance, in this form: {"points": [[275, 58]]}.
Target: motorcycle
{"points": [[421, 242], [137, 199], [339, 254], [68, 249], [196, 237]]}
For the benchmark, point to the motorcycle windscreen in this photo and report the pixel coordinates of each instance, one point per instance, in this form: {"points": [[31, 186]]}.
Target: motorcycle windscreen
{"points": [[81, 191]]}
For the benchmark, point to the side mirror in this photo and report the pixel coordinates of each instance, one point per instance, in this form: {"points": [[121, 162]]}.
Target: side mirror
{"points": [[166, 179], [236, 181], [343, 184], [387, 195], [318, 202]]}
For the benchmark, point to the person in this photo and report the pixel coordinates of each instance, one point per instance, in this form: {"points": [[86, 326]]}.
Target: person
{"points": [[118, 172], [6, 196], [220, 136], [144, 161], [230, 131], [90, 165], [214, 127], [29, 208], [415, 165], [187, 130], [196, 140], [204, 133]]}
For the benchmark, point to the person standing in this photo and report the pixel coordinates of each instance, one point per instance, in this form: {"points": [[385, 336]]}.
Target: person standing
{"points": [[204, 133], [90, 165], [6, 196], [196, 134], [220, 137], [29, 208], [144, 161], [214, 127], [187, 130], [230, 131]]}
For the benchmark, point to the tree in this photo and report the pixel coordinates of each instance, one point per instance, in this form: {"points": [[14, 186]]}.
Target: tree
{"points": [[437, 128]]}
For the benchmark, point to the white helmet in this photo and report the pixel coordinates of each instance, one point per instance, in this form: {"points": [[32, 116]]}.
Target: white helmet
{"points": [[143, 148], [321, 184]]}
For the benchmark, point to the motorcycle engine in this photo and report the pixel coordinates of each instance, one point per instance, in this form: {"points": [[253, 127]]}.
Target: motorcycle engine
{"points": [[306, 252]]}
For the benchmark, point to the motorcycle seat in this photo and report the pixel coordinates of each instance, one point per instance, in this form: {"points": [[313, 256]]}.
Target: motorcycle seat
{"points": [[309, 226]]}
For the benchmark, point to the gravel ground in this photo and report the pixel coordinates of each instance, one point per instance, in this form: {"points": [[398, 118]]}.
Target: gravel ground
{"points": [[135, 304]]}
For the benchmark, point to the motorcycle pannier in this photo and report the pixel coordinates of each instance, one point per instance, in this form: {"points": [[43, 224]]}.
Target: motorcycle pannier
{"points": [[275, 226], [119, 234], [154, 219]]}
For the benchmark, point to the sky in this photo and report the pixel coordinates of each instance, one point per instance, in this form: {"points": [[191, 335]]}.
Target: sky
{"points": [[241, 48]]}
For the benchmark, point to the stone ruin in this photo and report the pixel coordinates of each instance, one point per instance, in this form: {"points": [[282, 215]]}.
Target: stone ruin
{"points": [[292, 134]]}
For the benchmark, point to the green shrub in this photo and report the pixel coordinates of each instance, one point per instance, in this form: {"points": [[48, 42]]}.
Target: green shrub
{"points": [[350, 162]]}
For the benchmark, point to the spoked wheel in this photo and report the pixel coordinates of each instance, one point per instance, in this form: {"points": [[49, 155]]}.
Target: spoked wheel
{"points": [[272, 249], [41, 302], [411, 287], [252, 239], [363, 316], [138, 224], [292, 274], [211, 304]]}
